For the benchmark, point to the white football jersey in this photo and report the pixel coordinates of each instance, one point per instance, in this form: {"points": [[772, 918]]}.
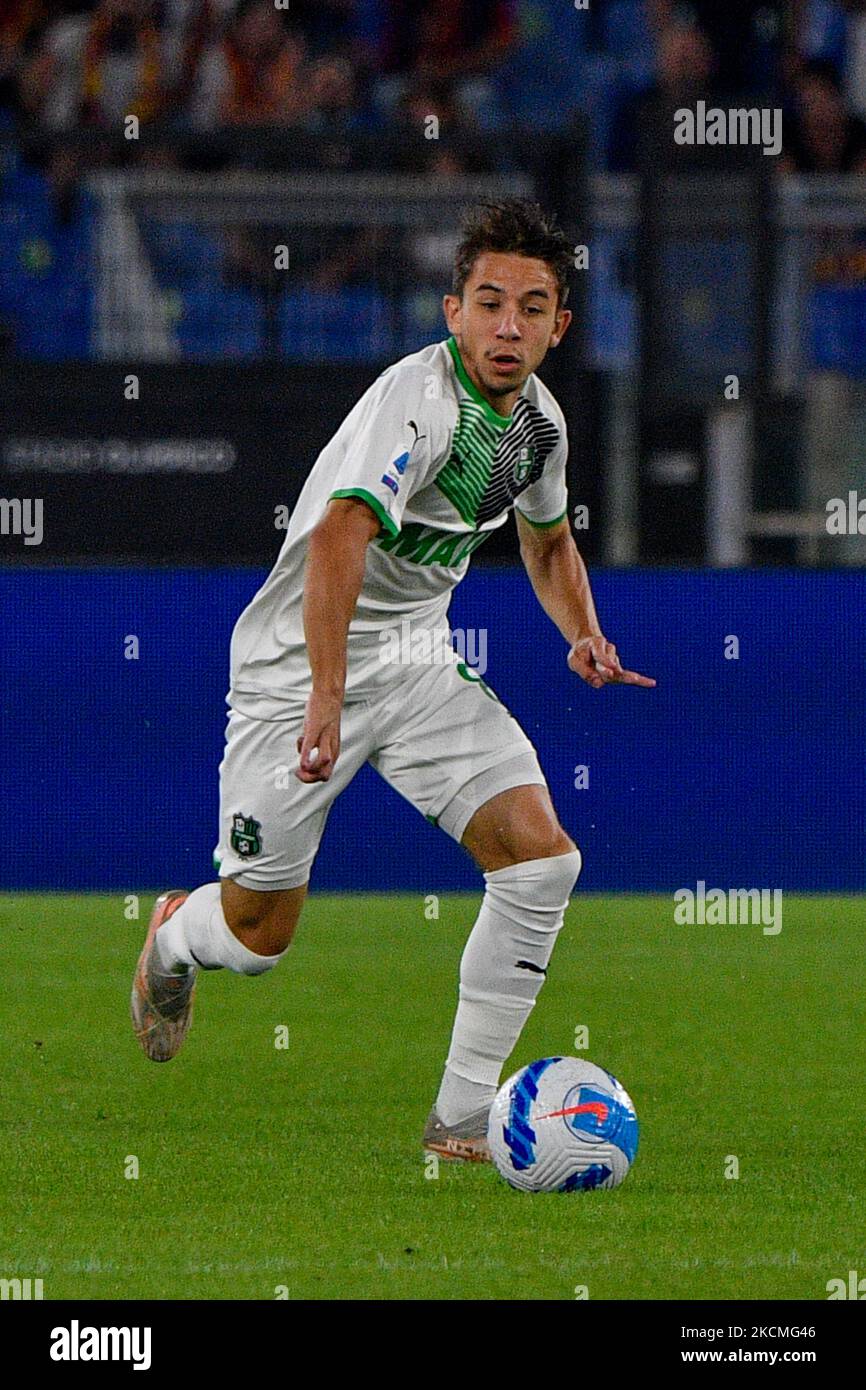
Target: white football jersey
{"points": [[441, 470]]}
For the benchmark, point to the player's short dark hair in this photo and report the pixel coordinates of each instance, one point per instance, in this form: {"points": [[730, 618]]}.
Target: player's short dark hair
{"points": [[518, 226]]}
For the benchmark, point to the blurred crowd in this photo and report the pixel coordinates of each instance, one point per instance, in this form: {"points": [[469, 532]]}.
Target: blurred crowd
{"points": [[327, 66], [432, 87], [333, 67]]}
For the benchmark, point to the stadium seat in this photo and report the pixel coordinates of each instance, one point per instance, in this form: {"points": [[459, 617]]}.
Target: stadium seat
{"points": [[837, 329], [351, 324], [45, 290], [182, 253], [216, 321], [628, 38], [613, 327]]}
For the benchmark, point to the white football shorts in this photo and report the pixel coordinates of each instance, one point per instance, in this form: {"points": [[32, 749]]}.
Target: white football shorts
{"points": [[438, 735]]}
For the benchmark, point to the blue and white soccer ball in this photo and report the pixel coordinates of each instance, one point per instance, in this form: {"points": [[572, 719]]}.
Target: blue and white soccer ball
{"points": [[562, 1125]]}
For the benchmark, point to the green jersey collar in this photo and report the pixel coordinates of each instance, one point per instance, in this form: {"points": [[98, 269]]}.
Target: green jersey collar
{"points": [[472, 390]]}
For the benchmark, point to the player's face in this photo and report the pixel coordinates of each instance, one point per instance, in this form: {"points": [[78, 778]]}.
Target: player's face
{"points": [[505, 322]]}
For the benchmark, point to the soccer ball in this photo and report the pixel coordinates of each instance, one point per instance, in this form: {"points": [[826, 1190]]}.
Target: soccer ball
{"points": [[562, 1125]]}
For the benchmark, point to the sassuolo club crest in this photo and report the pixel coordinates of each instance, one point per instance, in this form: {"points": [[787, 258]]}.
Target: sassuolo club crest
{"points": [[246, 837], [523, 466]]}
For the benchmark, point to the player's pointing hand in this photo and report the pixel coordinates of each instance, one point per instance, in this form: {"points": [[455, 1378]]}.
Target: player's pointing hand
{"points": [[595, 660]]}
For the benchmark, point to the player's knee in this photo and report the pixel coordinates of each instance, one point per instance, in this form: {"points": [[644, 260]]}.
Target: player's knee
{"points": [[244, 910], [263, 922], [541, 886], [557, 843], [542, 842], [562, 869]]}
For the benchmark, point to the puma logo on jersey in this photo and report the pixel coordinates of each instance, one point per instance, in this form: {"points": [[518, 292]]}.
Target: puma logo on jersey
{"points": [[417, 435]]}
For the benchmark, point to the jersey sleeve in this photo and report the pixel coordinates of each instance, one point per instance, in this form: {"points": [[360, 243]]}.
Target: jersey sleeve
{"points": [[546, 502], [387, 445]]}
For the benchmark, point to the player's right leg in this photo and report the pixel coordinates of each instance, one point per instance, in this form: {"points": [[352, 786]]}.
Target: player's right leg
{"points": [[451, 747], [218, 926], [270, 828]]}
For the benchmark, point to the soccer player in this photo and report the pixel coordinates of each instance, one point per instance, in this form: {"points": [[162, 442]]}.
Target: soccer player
{"points": [[431, 459]]}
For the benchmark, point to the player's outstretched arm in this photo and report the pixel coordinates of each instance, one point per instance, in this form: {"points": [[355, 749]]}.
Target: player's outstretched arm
{"points": [[335, 572], [561, 583]]}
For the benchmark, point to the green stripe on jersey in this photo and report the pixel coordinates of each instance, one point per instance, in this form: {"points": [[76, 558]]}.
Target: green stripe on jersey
{"points": [[542, 525], [373, 503], [465, 476], [471, 389]]}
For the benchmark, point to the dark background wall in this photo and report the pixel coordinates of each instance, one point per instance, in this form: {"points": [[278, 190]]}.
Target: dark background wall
{"points": [[192, 471]]}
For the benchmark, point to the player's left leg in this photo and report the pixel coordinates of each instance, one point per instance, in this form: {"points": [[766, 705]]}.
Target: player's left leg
{"points": [[453, 749], [515, 825], [530, 867]]}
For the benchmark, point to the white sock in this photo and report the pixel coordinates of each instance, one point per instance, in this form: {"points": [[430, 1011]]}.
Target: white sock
{"points": [[501, 973], [197, 934]]}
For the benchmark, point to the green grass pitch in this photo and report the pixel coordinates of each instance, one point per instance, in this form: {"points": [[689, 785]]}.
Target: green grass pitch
{"points": [[263, 1168]]}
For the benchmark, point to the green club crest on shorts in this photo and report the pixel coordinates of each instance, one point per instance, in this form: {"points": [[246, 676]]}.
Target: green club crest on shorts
{"points": [[245, 838]]}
